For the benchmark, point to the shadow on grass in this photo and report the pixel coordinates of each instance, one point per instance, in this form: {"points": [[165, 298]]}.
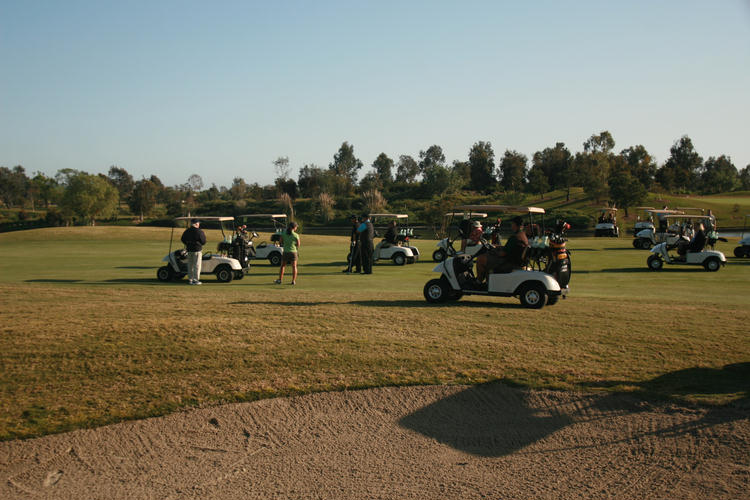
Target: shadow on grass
{"points": [[644, 269], [135, 267], [52, 281], [425, 304], [495, 419], [296, 303]]}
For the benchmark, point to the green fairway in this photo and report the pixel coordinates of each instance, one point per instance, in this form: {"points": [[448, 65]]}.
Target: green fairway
{"points": [[89, 336]]}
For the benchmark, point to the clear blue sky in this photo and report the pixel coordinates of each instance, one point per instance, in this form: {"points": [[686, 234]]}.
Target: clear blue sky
{"points": [[222, 89]]}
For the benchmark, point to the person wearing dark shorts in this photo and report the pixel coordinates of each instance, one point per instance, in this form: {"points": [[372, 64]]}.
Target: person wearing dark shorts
{"points": [[291, 243], [366, 235]]}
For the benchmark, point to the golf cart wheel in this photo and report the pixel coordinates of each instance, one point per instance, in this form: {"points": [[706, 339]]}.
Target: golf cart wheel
{"points": [[399, 259], [645, 244], [224, 273], [637, 243], [275, 259], [655, 263], [552, 299], [739, 252], [533, 295], [238, 275], [436, 291], [439, 255], [164, 273], [712, 265]]}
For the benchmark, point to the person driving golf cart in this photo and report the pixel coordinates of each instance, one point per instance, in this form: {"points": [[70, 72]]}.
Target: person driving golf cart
{"points": [[696, 244], [391, 235], [506, 258]]}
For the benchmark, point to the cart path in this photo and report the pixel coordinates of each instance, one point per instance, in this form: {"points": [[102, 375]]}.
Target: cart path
{"points": [[413, 442]]}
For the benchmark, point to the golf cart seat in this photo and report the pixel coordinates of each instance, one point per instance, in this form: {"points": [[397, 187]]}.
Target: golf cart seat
{"points": [[180, 254], [207, 256]]}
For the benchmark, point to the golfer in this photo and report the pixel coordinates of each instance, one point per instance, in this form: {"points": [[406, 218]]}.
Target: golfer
{"points": [[291, 243], [194, 238]]}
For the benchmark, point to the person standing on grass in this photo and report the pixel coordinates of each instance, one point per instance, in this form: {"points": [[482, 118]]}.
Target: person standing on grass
{"points": [[366, 236], [353, 247], [194, 238], [291, 243]]}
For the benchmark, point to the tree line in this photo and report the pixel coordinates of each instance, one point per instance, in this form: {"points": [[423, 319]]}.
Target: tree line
{"points": [[622, 179]]}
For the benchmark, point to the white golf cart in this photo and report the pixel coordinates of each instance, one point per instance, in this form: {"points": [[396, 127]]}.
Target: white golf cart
{"points": [[445, 246], [644, 219], [711, 260], [743, 250], [402, 252], [607, 223], [650, 236], [224, 267], [273, 250], [534, 288]]}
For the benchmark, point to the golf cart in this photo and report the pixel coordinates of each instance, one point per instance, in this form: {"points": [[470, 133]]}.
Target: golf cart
{"points": [[607, 223], [271, 251], [402, 252], [533, 287], [711, 260], [743, 250], [644, 219], [445, 246], [222, 265], [650, 236]]}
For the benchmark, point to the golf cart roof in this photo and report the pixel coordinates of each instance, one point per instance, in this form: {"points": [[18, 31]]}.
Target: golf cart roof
{"points": [[220, 219], [644, 208], [265, 216], [499, 208], [607, 209], [473, 214], [666, 211], [395, 216], [688, 216], [690, 208]]}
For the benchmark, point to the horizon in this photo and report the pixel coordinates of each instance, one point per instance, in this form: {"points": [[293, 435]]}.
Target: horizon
{"points": [[222, 91]]}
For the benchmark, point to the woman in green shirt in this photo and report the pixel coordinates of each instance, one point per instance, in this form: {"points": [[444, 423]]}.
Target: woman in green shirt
{"points": [[291, 243]]}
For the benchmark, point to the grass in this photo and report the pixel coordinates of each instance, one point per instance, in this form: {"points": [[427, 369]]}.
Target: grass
{"points": [[89, 337]]}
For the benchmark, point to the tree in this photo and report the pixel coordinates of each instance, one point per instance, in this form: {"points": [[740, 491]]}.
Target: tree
{"points": [[288, 187], [238, 191], [122, 180], [432, 157], [143, 197], [557, 165], [373, 201], [602, 143], [344, 169], [744, 178], [64, 175], [640, 164], [681, 169], [626, 191], [383, 166], [462, 169], [512, 170], [537, 181], [312, 181], [438, 179], [281, 167], [14, 186], [591, 170], [407, 170], [370, 181], [719, 175], [47, 189], [89, 197], [325, 205], [482, 166], [195, 183]]}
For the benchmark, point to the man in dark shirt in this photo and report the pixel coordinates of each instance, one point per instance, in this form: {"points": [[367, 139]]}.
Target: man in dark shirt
{"points": [[353, 247], [696, 244], [194, 238], [506, 258], [366, 235]]}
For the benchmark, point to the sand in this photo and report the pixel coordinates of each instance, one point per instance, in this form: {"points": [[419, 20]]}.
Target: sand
{"points": [[488, 441]]}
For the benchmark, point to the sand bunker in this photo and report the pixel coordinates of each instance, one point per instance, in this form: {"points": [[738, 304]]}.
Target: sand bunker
{"points": [[487, 441]]}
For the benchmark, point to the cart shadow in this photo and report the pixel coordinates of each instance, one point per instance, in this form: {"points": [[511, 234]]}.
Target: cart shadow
{"points": [[496, 419], [135, 267], [642, 270], [296, 303], [425, 304]]}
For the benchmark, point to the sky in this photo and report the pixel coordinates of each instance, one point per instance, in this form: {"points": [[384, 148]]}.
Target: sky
{"points": [[222, 89]]}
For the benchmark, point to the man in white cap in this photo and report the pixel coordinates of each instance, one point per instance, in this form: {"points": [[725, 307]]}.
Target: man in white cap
{"points": [[194, 238]]}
